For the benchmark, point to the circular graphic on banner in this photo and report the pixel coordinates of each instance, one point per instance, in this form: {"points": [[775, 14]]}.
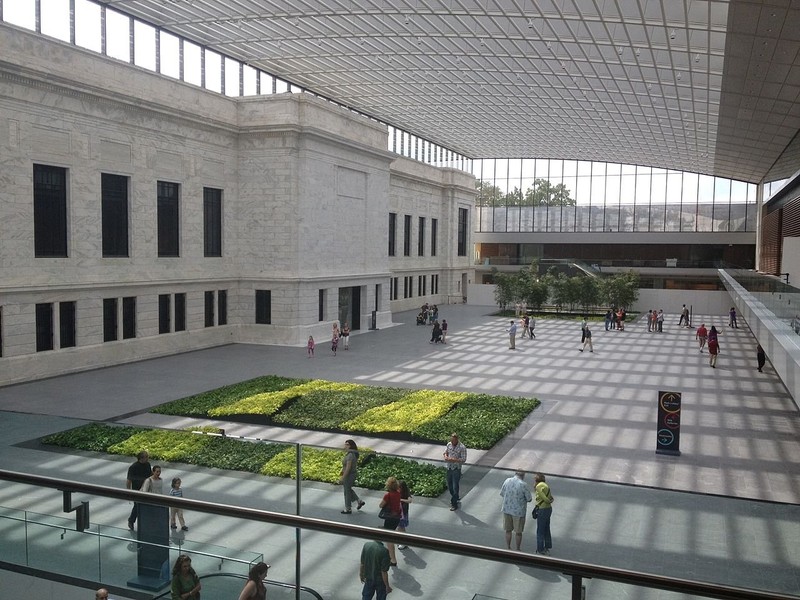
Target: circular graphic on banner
{"points": [[665, 437], [670, 402], [672, 420]]}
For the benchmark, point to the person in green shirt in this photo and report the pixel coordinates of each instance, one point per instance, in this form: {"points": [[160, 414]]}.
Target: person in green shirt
{"points": [[543, 500], [374, 571], [185, 582]]}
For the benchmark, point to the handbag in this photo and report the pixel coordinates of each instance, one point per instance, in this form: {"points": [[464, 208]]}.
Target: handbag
{"points": [[385, 513], [535, 512]]}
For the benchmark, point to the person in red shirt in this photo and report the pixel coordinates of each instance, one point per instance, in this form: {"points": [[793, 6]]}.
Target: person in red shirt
{"points": [[702, 336], [391, 500]]}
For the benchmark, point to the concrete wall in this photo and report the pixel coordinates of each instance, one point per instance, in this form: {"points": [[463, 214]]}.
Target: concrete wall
{"points": [[306, 192]]}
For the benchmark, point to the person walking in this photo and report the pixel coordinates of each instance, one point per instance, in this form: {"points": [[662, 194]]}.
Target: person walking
{"points": [[512, 335], [310, 346], [346, 335], [255, 589], [543, 500], [335, 341], [405, 505], [101, 594], [587, 339], [684, 320], [185, 583], [609, 318], [761, 357], [348, 475], [660, 320], [713, 347], [391, 502], [584, 324], [516, 496], [154, 484], [137, 473], [374, 571], [525, 322], [732, 318], [531, 327], [701, 336], [649, 320], [455, 455], [444, 331], [176, 513]]}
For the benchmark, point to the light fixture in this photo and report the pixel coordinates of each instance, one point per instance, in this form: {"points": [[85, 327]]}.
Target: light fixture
{"points": [[530, 23], [697, 58], [408, 19], [679, 76], [672, 34]]}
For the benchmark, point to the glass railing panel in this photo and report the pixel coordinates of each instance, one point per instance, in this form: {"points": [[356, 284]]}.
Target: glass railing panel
{"points": [[13, 533], [780, 298], [52, 544]]}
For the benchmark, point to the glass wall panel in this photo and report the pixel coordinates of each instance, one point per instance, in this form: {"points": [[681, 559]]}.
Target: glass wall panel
{"points": [[722, 204], [169, 46], [55, 18], [658, 199], [267, 83], [281, 86], [250, 76], [568, 214], [213, 71], [88, 25], [689, 204], [751, 221], [705, 208], [232, 77], [118, 37], [674, 201], [192, 68], [19, 13], [641, 213], [144, 45]]}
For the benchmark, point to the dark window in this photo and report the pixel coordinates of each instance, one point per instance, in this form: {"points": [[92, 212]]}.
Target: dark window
{"points": [[421, 237], [115, 214], [164, 325], [463, 223], [180, 312], [434, 284], [66, 324], [44, 327], [321, 306], [129, 317], [392, 234], [209, 309], [407, 236], [1, 331], [168, 228], [263, 307], [222, 307], [49, 212], [110, 320], [422, 285], [395, 288], [212, 222], [434, 231]]}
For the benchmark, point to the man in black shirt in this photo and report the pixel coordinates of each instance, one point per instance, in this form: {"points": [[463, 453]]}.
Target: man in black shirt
{"points": [[137, 473]]}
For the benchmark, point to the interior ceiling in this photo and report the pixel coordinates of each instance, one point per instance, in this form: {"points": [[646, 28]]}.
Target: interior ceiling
{"points": [[697, 85]]}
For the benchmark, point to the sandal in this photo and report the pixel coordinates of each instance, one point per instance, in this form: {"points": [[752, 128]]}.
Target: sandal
{"points": [[360, 504], [347, 512]]}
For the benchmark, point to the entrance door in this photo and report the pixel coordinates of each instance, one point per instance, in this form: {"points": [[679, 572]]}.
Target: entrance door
{"points": [[350, 306]]}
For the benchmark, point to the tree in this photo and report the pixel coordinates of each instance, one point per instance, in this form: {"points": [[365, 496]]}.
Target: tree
{"points": [[544, 193], [503, 288], [513, 198], [488, 194], [538, 293], [588, 292], [620, 290]]}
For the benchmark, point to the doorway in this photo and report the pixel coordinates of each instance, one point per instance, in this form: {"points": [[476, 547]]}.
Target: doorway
{"points": [[350, 307]]}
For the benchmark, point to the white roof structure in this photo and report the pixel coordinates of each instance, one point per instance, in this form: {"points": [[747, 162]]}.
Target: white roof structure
{"points": [[699, 85]]}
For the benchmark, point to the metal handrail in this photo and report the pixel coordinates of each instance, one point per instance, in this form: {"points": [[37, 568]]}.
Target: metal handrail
{"points": [[239, 576], [575, 569]]}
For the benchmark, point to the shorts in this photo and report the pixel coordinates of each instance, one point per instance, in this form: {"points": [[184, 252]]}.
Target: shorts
{"points": [[515, 524]]}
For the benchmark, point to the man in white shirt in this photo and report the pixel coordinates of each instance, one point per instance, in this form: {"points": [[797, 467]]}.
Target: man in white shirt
{"points": [[516, 495]]}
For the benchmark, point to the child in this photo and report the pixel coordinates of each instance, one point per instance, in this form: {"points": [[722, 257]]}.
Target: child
{"points": [[311, 345], [335, 341], [405, 502], [177, 512]]}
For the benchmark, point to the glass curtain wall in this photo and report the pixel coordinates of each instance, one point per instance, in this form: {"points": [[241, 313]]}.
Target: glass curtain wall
{"points": [[554, 195]]}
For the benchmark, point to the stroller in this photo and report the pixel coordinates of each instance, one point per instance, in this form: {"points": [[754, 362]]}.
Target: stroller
{"points": [[421, 319]]}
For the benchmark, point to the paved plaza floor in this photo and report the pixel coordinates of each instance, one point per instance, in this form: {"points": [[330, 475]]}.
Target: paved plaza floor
{"points": [[727, 509]]}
